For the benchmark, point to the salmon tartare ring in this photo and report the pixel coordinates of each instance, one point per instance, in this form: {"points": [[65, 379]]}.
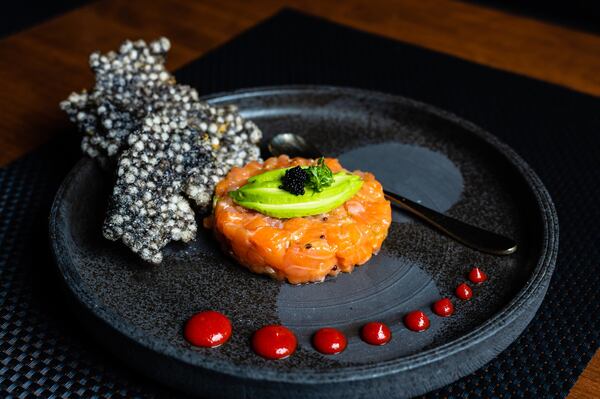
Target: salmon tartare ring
{"points": [[300, 249]]}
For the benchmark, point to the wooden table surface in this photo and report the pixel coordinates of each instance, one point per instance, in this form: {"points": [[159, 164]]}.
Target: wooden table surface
{"points": [[42, 65]]}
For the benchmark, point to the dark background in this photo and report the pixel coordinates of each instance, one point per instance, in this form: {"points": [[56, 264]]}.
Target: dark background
{"points": [[578, 14]]}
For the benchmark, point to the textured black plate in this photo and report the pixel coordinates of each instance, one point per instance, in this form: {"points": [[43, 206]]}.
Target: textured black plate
{"points": [[137, 310]]}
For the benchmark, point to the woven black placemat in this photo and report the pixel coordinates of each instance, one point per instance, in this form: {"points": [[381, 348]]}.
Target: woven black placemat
{"points": [[44, 353]]}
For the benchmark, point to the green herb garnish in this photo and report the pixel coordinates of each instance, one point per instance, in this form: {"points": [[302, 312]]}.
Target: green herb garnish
{"points": [[319, 176], [315, 177]]}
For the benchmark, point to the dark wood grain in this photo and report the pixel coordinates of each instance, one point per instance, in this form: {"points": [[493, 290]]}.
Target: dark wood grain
{"points": [[42, 65]]}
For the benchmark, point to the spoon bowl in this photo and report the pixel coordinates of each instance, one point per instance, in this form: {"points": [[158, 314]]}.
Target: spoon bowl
{"points": [[293, 145]]}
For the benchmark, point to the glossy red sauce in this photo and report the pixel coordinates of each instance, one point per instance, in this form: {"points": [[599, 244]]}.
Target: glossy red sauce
{"points": [[274, 342], [443, 307], [376, 333], [477, 276], [211, 329], [329, 341], [463, 291], [207, 329], [416, 321]]}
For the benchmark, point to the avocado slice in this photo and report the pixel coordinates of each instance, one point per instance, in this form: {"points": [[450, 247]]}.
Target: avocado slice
{"points": [[262, 194]]}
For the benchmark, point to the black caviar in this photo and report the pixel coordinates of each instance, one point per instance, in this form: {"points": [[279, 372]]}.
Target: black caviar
{"points": [[294, 180]]}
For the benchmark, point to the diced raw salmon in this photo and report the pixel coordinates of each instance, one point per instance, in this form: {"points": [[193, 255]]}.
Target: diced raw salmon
{"points": [[305, 249]]}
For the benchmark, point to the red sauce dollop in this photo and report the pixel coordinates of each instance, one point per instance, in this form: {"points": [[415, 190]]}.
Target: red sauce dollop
{"points": [[477, 276], [443, 307], [416, 321], [274, 342], [207, 329], [329, 341], [376, 333], [463, 291]]}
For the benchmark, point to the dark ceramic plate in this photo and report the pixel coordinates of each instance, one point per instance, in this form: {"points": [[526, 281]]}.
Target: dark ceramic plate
{"points": [[137, 310]]}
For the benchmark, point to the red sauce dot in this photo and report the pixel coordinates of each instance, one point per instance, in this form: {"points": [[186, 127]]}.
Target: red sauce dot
{"points": [[329, 341], [463, 291], [274, 342], [443, 307], [376, 333], [477, 276], [207, 329], [416, 321]]}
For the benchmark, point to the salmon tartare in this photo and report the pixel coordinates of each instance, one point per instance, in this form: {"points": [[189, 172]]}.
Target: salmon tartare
{"points": [[300, 249]]}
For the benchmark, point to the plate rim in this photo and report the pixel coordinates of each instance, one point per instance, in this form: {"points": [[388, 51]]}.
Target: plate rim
{"points": [[537, 281]]}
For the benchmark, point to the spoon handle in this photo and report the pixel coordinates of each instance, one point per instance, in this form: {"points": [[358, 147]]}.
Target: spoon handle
{"points": [[471, 236], [467, 234]]}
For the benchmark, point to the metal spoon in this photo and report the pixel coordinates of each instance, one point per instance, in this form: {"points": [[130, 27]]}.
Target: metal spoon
{"points": [[471, 236]]}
